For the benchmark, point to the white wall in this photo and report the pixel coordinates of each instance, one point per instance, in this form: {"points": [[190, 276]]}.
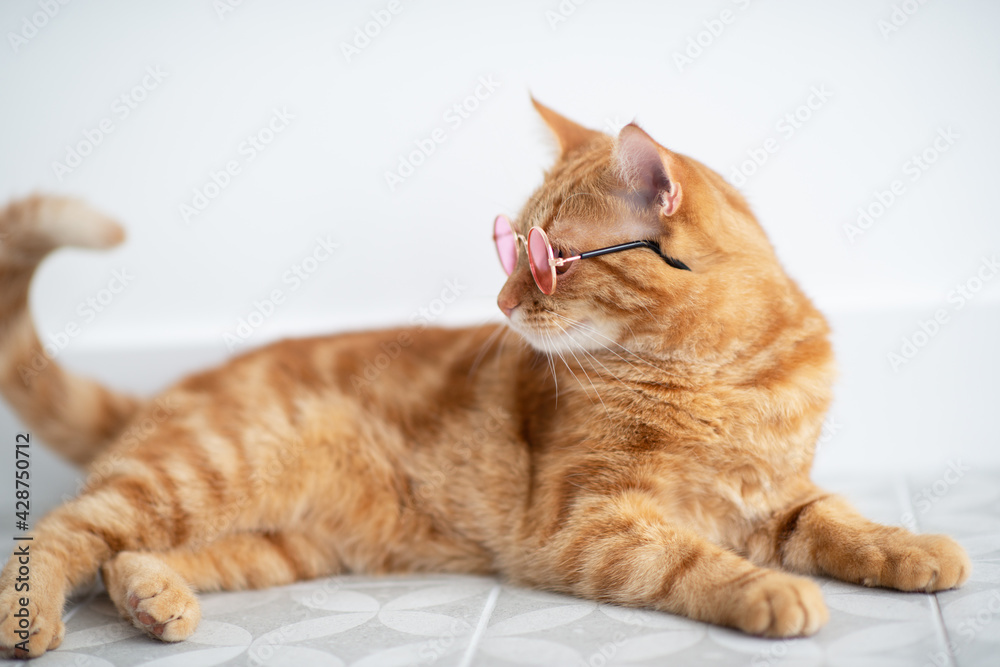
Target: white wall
{"points": [[884, 98]]}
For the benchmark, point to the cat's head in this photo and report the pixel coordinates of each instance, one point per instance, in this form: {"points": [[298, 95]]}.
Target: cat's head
{"points": [[604, 191]]}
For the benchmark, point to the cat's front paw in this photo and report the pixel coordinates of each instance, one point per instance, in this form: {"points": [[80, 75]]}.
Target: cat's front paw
{"points": [[30, 620], [780, 605], [151, 595], [911, 562]]}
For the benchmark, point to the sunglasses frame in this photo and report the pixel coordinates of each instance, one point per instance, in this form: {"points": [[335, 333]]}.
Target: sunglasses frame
{"points": [[556, 262]]}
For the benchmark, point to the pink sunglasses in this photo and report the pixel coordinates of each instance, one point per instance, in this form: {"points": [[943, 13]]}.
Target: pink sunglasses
{"points": [[542, 261]]}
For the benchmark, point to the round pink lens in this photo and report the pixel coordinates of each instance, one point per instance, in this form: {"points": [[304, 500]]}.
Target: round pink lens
{"points": [[503, 235], [539, 254]]}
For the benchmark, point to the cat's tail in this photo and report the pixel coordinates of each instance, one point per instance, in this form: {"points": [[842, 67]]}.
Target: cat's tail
{"points": [[77, 417]]}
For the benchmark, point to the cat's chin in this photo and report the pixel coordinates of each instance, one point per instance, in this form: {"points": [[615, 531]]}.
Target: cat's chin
{"points": [[563, 340]]}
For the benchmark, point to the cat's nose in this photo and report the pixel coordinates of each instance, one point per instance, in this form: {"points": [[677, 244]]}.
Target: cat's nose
{"points": [[507, 302]]}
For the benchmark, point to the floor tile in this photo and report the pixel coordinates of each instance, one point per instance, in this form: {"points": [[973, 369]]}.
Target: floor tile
{"points": [[460, 621]]}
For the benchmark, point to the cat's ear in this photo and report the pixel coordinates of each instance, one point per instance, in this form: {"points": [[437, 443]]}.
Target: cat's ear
{"points": [[570, 135], [645, 167]]}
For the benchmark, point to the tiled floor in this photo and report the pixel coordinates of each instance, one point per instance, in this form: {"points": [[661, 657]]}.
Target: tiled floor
{"points": [[444, 620]]}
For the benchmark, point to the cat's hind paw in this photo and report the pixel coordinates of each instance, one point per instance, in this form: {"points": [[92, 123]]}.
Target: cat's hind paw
{"points": [[151, 595]]}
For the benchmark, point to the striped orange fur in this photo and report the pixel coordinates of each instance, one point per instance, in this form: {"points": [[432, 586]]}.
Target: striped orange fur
{"points": [[73, 415], [643, 436]]}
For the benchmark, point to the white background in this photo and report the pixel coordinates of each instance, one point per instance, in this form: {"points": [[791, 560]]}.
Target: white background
{"points": [[890, 94]]}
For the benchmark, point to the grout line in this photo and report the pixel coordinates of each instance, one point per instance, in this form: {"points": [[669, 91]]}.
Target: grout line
{"points": [[903, 489], [477, 636], [942, 628]]}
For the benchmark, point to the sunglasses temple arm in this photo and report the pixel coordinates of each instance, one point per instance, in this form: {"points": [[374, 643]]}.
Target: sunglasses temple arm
{"points": [[560, 261], [676, 263], [618, 248]]}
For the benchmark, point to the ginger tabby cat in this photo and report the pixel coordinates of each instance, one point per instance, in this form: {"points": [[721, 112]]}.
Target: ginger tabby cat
{"points": [[644, 438]]}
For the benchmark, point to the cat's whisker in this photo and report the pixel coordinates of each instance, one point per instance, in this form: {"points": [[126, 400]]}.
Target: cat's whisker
{"points": [[484, 348], [507, 331], [621, 381], [569, 479], [583, 329], [591, 359], [552, 366], [641, 372], [629, 326], [647, 311], [575, 377], [501, 330], [508, 335], [598, 393]]}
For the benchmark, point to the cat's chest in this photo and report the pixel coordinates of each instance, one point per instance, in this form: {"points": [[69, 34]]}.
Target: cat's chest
{"points": [[719, 495]]}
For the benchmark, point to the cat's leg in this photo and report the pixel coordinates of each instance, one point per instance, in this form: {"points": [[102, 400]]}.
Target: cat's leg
{"points": [[622, 549], [823, 534], [156, 590], [70, 544]]}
